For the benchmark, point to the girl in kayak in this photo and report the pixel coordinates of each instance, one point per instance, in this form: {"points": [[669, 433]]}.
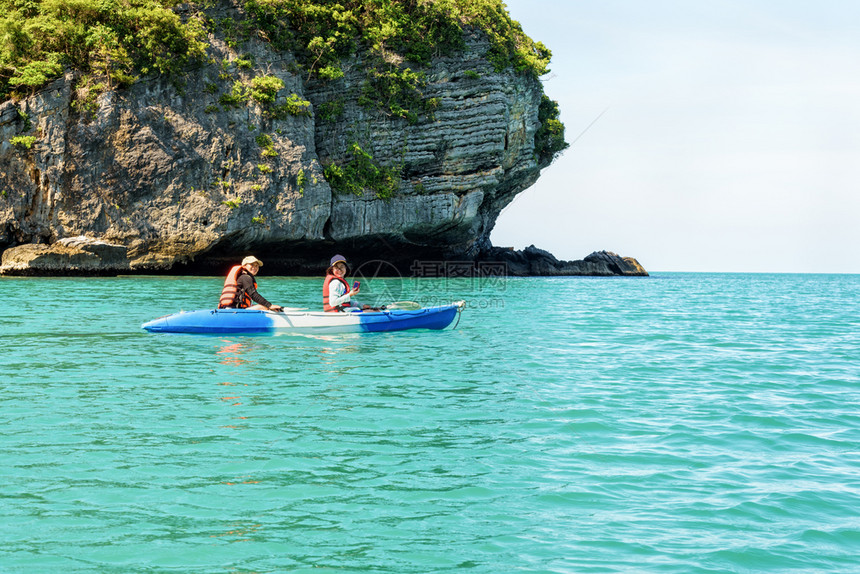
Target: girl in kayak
{"points": [[337, 294]]}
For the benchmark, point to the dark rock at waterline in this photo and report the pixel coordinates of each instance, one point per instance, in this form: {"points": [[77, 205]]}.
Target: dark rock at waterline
{"points": [[87, 256], [532, 261]]}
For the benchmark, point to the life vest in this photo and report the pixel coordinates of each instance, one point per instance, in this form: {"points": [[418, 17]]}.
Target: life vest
{"points": [[230, 293], [329, 279]]}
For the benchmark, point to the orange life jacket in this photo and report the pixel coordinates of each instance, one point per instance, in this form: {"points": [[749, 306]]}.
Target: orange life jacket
{"points": [[231, 290], [329, 279]]}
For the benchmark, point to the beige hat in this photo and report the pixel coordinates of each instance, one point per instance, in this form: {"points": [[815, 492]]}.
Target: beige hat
{"points": [[251, 259]]}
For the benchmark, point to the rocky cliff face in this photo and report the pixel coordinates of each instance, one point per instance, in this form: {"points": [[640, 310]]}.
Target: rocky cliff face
{"points": [[182, 180]]}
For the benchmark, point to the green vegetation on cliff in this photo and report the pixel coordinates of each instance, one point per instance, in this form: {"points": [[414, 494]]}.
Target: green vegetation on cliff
{"points": [[117, 39], [113, 40], [361, 173], [111, 43], [323, 31], [394, 36], [549, 139]]}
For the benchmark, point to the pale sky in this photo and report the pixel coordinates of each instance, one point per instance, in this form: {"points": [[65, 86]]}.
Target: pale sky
{"points": [[729, 140]]}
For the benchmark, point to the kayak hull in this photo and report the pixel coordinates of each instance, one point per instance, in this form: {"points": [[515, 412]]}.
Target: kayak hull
{"points": [[246, 321]]}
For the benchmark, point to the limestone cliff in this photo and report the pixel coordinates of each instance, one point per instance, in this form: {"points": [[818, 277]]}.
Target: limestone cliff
{"points": [[186, 179]]}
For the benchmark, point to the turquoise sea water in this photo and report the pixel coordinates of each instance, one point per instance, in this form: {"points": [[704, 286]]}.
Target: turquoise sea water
{"points": [[681, 423]]}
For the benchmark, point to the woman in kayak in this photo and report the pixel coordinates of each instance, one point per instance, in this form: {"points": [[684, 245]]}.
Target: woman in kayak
{"points": [[240, 288], [337, 294]]}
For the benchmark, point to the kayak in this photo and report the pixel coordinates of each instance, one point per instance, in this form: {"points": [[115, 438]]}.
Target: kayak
{"points": [[237, 321]]}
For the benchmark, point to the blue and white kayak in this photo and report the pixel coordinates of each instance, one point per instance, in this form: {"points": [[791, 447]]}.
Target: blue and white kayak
{"points": [[246, 321]]}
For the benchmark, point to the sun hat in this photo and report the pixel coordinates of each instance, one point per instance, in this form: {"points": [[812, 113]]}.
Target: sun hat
{"points": [[336, 259], [249, 260]]}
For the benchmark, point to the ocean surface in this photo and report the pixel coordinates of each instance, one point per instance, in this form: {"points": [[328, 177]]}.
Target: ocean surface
{"points": [[682, 423]]}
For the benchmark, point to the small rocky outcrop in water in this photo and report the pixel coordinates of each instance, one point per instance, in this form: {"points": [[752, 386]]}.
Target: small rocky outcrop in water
{"points": [[534, 261]]}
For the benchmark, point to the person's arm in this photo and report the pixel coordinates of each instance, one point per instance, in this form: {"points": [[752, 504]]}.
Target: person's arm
{"points": [[337, 294], [247, 284]]}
